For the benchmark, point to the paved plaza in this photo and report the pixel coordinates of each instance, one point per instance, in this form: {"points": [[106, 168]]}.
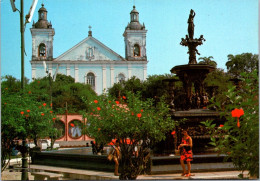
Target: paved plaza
{"points": [[79, 174]]}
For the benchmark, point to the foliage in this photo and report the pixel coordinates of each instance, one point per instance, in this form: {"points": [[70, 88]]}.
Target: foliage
{"points": [[153, 87], [129, 118], [22, 117], [239, 137], [219, 82], [208, 61], [134, 85], [245, 62], [64, 93]]}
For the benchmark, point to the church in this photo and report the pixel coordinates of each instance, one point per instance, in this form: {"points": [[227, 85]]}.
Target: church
{"points": [[90, 61]]}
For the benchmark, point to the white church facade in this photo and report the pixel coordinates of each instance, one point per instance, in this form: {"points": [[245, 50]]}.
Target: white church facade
{"points": [[90, 61]]}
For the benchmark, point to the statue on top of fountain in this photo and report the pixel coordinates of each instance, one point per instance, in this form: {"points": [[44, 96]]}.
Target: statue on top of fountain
{"points": [[190, 42]]}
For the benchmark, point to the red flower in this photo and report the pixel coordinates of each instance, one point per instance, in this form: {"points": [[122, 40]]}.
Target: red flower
{"points": [[91, 113], [173, 133], [53, 119], [42, 114], [51, 104], [124, 97], [28, 110], [98, 108], [29, 92], [117, 102], [109, 101], [44, 104], [139, 115], [96, 101], [142, 110], [5, 103], [22, 112], [132, 113], [99, 129], [51, 112], [221, 125], [26, 116], [38, 82], [72, 125], [237, 112]]}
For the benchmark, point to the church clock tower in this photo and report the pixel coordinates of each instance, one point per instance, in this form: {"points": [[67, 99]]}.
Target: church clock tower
{"points": [[42, 37], [135, 38]]}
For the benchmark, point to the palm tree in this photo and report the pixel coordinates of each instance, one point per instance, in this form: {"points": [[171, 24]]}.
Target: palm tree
{"points": [[208, 61]]}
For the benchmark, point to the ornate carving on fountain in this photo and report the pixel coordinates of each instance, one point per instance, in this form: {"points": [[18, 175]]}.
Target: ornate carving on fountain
{"points": [[190, 42]]}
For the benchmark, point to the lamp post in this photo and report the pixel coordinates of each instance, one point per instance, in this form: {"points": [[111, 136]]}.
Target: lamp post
{"points": [[24, 150]]}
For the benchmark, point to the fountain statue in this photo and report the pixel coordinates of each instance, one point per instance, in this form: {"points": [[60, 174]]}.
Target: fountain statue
{"points": [[192, 74]]}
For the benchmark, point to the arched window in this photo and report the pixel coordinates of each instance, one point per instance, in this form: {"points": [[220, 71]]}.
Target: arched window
{"points": [[137, 50], [75, 129], [91, 80], [121, 78], [42, 50]]}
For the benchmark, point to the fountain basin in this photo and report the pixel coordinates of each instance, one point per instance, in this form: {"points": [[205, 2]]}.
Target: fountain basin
{"points": [[159, 164]]}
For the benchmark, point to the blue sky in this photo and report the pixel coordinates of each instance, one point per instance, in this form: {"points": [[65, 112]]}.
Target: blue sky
{"points": [[229, 27]]}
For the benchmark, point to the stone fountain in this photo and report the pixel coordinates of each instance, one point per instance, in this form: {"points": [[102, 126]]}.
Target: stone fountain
{"points": [[191, 109]]}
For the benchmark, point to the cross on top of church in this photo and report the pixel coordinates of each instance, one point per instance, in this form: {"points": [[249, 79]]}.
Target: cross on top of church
{"points": [[89, 32]]}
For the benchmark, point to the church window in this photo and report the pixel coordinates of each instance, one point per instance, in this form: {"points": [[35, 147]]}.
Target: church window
{"points": [[121, 78], [91, 80], [42, 50], [137, 50]]}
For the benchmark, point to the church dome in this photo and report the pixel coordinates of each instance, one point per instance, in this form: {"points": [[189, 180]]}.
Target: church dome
{"points": [[135, 26], [42, 20], [42, 24], [42, 8], [134, 23], [134, 10]]}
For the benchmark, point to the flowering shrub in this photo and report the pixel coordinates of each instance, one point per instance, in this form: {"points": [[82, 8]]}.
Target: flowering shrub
{"points": [[22, 116], [132, 121], [239, 136]]}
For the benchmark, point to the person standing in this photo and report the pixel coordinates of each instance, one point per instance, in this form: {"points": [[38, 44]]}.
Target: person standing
{"points": [[116, 157], [186, 153]]}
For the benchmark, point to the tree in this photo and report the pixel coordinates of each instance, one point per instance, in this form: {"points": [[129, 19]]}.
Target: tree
{"points": [[245, 62], [129, 118], [133, 84], [22, 117], [238, 138], [208, 61], [155, 86], [65, 93]]}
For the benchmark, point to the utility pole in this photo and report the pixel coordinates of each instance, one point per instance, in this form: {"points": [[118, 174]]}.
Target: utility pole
{"points": [[24, 153], [24, 150], [22, 44]]}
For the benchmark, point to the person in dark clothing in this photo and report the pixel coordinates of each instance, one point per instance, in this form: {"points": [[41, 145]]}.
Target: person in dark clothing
{"points": [[94, 148]]}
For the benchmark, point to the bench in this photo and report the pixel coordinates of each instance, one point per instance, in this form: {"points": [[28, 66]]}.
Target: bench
{"points": [[48, 175]]}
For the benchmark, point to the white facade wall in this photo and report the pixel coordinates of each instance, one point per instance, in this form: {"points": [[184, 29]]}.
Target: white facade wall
{"points": [[79, 71]]}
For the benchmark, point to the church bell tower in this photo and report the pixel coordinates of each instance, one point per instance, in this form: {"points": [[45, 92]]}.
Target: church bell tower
{"points": [[42, 37], [135, 38]]}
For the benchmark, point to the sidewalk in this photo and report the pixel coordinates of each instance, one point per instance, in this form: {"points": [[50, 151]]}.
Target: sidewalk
{"points": [[97, 175], [73, 174]]}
